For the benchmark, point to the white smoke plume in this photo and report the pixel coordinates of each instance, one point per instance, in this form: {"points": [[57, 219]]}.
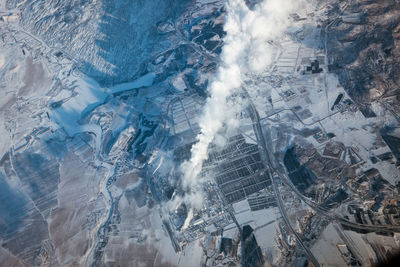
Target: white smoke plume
{"points": [[247, 49]]}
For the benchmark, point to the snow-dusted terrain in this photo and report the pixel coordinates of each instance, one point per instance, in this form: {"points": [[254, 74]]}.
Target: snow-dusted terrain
{"points": [[199, 133]]}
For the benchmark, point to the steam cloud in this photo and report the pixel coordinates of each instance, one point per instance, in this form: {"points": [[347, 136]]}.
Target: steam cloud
{"points": [[247, 49]]}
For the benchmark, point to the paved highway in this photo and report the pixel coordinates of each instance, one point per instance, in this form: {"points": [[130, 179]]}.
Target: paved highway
{"points": [[266, 159], [321, 210], [325, 212], [279, 176]]}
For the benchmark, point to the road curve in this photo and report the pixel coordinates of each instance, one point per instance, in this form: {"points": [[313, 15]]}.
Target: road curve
{"points": [[255, 118]]}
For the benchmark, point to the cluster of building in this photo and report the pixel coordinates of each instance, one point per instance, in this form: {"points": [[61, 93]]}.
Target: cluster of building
{"points": [[233, 173]]}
